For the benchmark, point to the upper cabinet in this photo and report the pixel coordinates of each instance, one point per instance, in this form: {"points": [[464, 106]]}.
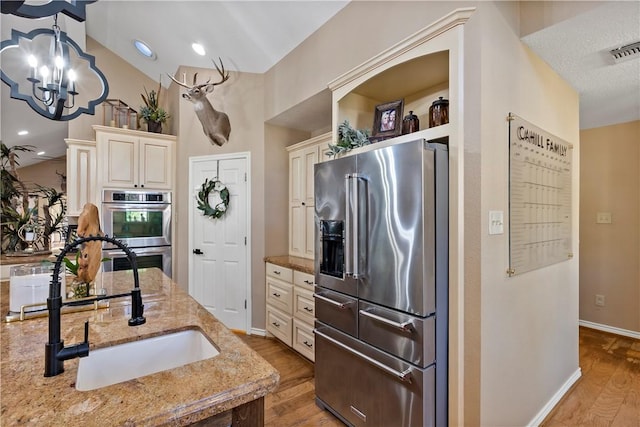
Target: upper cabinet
{"points": [[302, 157], [81, 175], [134, 159]]}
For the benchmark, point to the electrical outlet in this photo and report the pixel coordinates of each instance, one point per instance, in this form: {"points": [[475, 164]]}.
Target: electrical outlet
{"points": [[600, 300], [496, 222], [603, 218]]}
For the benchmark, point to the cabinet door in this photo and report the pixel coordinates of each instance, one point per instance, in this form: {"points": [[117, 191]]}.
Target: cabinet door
{"points": [[81, 176], [156, 164], [297, 230], [310, 159], [119, 158]]}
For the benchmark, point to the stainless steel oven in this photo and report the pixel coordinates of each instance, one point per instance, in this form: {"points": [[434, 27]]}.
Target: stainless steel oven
{"points": [[154, 256], [137, 218]]}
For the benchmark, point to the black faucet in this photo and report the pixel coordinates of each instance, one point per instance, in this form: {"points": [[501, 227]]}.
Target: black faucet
{"points": [[55, 353]]}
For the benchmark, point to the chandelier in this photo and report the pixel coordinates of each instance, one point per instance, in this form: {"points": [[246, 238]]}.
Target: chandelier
{"points": [[46, 68]]}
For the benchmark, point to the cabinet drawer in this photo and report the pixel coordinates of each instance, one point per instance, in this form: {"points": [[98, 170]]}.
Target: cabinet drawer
{"points": [[303, 339], [303, 304], [282, 273], [279, 324], [303, 279], [280, 295]]}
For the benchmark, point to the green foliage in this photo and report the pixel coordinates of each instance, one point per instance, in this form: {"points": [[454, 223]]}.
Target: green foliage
{"points": [[151, 111], [348, 139]]}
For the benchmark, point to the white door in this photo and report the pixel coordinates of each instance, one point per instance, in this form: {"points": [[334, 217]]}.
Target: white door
{"points": [[219, 268]]}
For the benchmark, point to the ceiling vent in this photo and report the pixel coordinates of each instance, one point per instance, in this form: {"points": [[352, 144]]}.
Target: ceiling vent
{"points": [[627, 52]]}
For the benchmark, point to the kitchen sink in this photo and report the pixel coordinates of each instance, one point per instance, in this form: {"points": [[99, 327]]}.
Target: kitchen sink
{"points": [[123, 362]]}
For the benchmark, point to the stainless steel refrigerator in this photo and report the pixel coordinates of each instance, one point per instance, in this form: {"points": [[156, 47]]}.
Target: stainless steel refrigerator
{"points": [[381, 295]]}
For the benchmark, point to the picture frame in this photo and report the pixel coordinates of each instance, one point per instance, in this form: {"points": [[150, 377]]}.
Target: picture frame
{"points": [[387, 120]]}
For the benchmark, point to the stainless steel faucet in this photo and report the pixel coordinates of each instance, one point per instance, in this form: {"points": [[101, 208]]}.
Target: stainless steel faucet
{"points": [[55, 352]]}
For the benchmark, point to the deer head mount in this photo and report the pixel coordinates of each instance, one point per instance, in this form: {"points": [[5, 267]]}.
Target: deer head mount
{"points": [[215, 124]]}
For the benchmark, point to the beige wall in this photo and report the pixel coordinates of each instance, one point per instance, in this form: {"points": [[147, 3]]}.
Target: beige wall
{"points": [[44, 173], [610, 182], [526, 325], [241, 98], [126, 83]]}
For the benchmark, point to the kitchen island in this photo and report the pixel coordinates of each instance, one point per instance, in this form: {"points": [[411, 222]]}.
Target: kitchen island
{"points": [[228, 388]]}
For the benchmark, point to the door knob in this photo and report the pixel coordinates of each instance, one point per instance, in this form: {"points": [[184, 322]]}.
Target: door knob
{"points": [[198, 252]]}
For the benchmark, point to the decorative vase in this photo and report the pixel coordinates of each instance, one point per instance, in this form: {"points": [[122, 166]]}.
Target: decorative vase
{"points": [[155, 127]]}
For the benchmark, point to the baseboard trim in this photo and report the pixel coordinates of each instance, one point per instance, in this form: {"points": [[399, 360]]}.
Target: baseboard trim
{"points": [[610, 329], [546, 410], [258, 332]]}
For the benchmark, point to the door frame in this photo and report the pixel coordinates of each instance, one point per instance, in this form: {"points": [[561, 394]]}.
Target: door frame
{"points": [[246, 155]]}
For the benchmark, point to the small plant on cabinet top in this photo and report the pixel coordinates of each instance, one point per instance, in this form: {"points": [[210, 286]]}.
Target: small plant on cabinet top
{"points": [[151, 110], [348, 139]]}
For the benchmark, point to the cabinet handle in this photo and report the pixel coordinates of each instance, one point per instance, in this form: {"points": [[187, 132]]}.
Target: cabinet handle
{"points": [[275, 294], [276, 272], [310, 310], [276, 324], [308, 282], [307, 344]]}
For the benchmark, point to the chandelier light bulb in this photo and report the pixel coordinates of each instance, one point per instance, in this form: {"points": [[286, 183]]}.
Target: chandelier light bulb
{"points": [[33, 61], [71, 75], [59, 62]]}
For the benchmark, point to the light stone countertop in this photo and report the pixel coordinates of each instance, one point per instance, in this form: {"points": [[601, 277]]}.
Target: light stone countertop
{"points": [[176, 397]]}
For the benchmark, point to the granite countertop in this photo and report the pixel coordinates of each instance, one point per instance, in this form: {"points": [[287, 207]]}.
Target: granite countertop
{"points": [[296, 263], [176, 397]]}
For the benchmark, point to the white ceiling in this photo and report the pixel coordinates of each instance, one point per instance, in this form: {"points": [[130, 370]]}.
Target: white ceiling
{"points": [[251, 36]]}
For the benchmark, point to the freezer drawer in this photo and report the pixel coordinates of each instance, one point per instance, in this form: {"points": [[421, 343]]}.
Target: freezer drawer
{"points": [[409, 337], [336, 309], [367, 387]]}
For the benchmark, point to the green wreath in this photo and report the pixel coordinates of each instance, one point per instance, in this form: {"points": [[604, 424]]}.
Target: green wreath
{"points": [[203, 198]]}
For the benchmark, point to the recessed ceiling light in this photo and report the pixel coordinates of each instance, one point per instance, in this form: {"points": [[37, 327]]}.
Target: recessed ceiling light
{"points": [[144, 49], [23, 132], [198, 48], [40, 153]]}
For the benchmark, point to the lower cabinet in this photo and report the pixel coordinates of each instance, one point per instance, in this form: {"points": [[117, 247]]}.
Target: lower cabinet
{"points": [[290, 308]]}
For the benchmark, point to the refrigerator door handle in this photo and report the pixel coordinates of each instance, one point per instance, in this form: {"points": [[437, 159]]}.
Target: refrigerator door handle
{"points": [[404, 326], [402, 376], [356, 225], [340, 305], [348, 259]]}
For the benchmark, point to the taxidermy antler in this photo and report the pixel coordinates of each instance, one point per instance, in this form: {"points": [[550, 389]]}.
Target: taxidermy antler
{"points": [[215, 124]]}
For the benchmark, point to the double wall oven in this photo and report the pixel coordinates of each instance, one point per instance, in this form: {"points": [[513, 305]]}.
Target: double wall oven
{"points": [[142, 220]]}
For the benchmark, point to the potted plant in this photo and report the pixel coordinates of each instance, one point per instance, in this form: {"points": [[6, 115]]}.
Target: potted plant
{"points": [[348, 139], [151, 112]]}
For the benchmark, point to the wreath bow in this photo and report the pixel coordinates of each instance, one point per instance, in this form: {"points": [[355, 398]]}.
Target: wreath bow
{"points": [[220, 208]]}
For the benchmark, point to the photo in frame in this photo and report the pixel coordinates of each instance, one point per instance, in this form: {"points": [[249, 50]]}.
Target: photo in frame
{"points": [[387, 120]]}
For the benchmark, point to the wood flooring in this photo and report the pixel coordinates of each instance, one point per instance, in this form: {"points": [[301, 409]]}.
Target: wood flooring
{"points": [[607, 394]]}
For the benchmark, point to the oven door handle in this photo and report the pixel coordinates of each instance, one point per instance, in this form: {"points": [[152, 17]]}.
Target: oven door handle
{"points": [[402, 376]]}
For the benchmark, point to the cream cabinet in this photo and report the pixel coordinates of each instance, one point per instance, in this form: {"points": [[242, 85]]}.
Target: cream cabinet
{"points": [[134, 159], [302, 157], [81, 175], [290, 308]]}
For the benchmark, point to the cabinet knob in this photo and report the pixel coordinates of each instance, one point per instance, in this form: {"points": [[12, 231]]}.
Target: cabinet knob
{"points": [[302, 203]]}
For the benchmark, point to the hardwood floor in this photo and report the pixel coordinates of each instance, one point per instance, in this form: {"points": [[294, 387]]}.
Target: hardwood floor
{"points": [[607, 394], [293, 403]]}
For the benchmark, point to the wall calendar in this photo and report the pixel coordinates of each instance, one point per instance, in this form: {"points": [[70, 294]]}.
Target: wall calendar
{"points": [[539, 197]]}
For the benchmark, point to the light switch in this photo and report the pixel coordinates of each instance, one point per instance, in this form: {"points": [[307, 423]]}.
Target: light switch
{"points": [[496, 222], [603, 218]]}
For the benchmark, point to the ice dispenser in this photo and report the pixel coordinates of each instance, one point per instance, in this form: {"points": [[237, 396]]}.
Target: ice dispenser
{"points": [[332, 241]]}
